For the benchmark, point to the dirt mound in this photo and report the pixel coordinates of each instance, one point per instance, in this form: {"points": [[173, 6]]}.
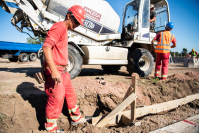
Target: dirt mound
{"points": [[149, 91], [92, 85], [186, 76]]}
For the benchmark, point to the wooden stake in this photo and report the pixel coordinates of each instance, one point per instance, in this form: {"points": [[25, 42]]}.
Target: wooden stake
{"points": [[133, 104], [130, 89]]}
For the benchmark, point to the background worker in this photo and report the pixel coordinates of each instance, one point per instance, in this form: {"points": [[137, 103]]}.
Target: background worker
{"points": [[152, 19], [58, 86], [193, 53], [162, 50]]}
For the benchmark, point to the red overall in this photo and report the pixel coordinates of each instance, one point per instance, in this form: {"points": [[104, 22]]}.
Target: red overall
{"points": [[57, 40], [163, 50]]}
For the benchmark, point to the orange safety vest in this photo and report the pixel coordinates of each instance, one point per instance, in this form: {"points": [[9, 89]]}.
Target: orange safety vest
{"points": [[163, 46]]}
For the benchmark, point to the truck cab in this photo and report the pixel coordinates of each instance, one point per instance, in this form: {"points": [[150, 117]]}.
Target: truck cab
{"points": [[136, 25]]}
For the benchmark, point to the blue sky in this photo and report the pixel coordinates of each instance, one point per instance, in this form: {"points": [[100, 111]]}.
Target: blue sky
{"points": [[183, 13]]}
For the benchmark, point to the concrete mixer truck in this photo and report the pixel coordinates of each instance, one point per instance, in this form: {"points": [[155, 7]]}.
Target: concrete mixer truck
{"points": [[98, 42]]}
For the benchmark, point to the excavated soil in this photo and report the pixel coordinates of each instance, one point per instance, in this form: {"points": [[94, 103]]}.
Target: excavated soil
{"points": [[23, 111]]}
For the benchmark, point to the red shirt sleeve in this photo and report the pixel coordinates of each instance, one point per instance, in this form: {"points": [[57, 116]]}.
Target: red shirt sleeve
{"points": [[54, 35], [157, 37], [174, 40]]}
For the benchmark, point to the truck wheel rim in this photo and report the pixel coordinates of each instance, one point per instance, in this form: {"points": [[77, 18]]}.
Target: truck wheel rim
{"points": [[40, 53], [25, 57], [144, 63], [70, 62], [33, 57]]}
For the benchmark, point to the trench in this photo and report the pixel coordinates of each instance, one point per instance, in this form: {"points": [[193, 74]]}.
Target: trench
{"points": [[26, 112]]}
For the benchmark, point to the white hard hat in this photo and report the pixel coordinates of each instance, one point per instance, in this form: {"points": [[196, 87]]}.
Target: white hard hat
{"points": [[152, 6]]}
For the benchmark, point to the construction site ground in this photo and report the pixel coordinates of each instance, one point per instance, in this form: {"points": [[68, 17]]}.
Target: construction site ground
{"points": [[23, 100]]}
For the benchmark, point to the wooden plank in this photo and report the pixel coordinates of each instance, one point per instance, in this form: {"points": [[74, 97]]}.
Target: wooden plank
{"points": [[133, 104], [117, 110], [152, 109], [130, 89], [114, 120]]}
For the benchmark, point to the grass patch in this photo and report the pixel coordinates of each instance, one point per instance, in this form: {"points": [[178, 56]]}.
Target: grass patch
{"points": [[2, 117], [162, 89], [143, 82], [177, 88], [155, 80]]}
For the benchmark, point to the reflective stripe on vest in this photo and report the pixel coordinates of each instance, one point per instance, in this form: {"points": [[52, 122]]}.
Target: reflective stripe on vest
{"points": [[194, 53], [163, 46]]}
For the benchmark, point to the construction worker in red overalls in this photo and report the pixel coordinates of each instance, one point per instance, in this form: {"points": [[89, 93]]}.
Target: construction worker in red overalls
{"points": [[58, 85], [162, 50]]}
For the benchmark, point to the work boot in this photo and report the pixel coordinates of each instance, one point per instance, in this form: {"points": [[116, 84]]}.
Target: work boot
{"points": [[81, 121]]}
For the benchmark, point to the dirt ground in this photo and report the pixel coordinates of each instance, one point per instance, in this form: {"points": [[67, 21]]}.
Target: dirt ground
{"points": [[23, 100]]}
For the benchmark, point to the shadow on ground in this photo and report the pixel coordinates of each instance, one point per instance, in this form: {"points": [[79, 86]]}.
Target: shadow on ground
{"points": [[4, 61], [100, 72], [29, 71], [36, 98]]}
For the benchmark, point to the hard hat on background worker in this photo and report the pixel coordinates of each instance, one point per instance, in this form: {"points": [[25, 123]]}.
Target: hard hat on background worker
{"points": [[170, 25], [192, 49], [152, 6], [78, 12]]}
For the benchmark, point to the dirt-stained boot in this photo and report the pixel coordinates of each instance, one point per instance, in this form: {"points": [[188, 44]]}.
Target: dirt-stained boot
{"points": [[81, 121]]}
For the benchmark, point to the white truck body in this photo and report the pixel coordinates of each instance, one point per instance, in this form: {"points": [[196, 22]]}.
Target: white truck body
{"points": [[98, 41], [104, 55]]}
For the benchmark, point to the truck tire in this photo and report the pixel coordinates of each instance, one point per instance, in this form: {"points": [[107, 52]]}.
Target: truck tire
{"points": [[23, 57], [111, 68], [141, 62], [33, 56], [14, 59], [74, 61], [40, 54]]}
